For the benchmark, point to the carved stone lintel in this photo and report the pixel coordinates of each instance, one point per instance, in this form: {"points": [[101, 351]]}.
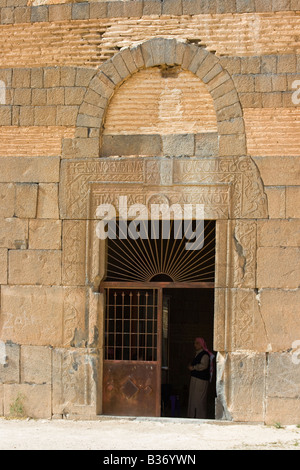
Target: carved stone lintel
{"points": [[247, 199]]}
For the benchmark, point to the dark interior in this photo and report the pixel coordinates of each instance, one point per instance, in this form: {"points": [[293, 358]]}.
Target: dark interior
{"points": [[190, 314]]}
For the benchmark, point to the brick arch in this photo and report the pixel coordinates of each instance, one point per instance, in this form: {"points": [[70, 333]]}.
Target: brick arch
{"points": [[158, 52]]}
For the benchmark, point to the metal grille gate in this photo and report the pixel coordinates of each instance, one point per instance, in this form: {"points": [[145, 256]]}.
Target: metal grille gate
{"points": [[132, 361]]}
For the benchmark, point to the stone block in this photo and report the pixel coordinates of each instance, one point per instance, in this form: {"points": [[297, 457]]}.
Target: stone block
{"points": [[26, 117], [39, 13], [83, 120], [39, 97], [172, 7], [67, 76], [26, 200], [60, 12], [286, 63], [283, 375], [51, 77], [73, 255], [293, 202], [98, 10], [35, 399], [21, 78], [137, 55], [133, 9], [47, 207], [110, 71], [279, 171], [230, 112], [232, 145], [9, 362], [7, 15], [278, 233], [29, 169], [35, 364], [43, 315], [278, 267], [55, 96], [285, 411], [197, 57], [75, 377], [22, 97], [152, 7], [38, 267], [1, 400], [246, 372], [178, 145], [233, 126], [276, 201], [5, 115], [7, 198], [250, 65], [279, 310], [80, 11], [74, 95], [44, 234], [131, 145], [66, 115], [263, 5], [115, 9], [206, 145], [13, 232]]}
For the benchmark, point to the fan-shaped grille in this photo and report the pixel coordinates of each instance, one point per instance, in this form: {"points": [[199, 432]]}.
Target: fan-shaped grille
{"points": [[161, 258]]}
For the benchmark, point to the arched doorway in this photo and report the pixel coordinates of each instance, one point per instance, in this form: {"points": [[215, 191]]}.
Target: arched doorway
{"points": [[227, 182]]}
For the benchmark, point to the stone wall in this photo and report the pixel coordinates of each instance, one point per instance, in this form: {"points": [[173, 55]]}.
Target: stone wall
{"points": [[65, 81]]}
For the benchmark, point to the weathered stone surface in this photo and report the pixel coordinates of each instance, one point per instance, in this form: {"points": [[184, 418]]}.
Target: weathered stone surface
{"points": [[35, 365], [247, 377], [73, 255], [3, 265], [75, 377], [41, 267], [7, 199], [42, 315], [278, 233], [178, 145], [293, 201], [29, 169], [44, 234], [47, 207], [282, 388], [279, 311], [278, 267], [276, 201], [131, 145], [279, 171], [35, 399], [206, 145], [9, 362], [26, 200], [13, 233]]}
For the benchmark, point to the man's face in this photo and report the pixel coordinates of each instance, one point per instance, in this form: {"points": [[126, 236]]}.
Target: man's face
{"points": [[197, 345]]}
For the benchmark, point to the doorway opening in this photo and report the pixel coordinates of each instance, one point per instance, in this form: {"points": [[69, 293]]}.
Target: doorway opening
{"points": [[187, 313], [159, 297]]}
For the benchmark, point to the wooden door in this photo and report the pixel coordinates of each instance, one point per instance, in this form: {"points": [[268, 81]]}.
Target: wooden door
{"points": [[132, 361]]}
